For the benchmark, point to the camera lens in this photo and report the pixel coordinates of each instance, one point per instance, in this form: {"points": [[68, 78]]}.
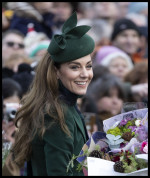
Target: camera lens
{"points": [[12, 114]]}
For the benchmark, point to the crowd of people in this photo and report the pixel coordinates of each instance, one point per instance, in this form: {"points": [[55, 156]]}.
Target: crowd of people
{"points": [[120, 56]]}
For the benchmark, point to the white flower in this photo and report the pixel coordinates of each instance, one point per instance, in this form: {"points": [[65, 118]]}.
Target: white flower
{"points": [[137, 122], [145, 149]]}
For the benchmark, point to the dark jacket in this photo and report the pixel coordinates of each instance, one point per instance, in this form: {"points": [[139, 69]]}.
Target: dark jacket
{"points": [[21, 23], [51, 155]]}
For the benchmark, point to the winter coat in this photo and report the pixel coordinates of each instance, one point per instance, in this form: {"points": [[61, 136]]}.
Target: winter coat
{"points": [[51, 155]]}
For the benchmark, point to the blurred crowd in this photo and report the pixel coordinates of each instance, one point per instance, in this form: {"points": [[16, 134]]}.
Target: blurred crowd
{"points": [[120, 57]]}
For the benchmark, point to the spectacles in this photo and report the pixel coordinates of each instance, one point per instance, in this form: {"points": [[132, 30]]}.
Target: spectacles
{"points": [[11, 44]]}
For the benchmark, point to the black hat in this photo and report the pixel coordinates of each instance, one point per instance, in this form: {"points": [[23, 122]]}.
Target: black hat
{"points": [[123, 24]]}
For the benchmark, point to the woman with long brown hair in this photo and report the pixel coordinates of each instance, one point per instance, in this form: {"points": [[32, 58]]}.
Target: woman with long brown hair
{"points": [[50, 127]]}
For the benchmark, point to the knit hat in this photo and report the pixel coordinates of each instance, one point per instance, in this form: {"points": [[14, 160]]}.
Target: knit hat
{"points": [[107, 53], [73, 43], [38, 47], [121, 25]]}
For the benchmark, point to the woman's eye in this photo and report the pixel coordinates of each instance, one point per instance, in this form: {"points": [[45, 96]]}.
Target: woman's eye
{"points": [[74, 67], [89, 66]]}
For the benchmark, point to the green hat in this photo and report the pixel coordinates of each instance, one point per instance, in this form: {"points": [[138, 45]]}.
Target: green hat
{"points": [[73, 43]]}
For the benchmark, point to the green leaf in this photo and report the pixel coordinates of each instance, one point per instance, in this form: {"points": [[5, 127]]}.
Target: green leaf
{"points": [[97, 147], [79, 167]]}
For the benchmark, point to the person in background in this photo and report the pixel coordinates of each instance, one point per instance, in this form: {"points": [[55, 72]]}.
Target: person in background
{"points": [[24, 76], [38, 50], [139, 76], [63, 10], [123, 9], [15, 60], [126, 36], [33, 39], [7, 73], [40, 14], [141, 21], [86, 10], [100, 32], [108, 94], [117, 61], [99, 71], [5, 20], [107, 11], [11, 91], [50, 126], [12, 43], [12, 94], [119, 64]]}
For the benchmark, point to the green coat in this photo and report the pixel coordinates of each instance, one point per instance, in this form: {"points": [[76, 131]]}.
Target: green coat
{"points": [[52, 154]]}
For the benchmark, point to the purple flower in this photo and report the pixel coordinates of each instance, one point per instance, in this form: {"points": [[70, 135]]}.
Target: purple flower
{"points": [[137, 146], [141, 133], [128, 119], [133, 128], [123, 122]]}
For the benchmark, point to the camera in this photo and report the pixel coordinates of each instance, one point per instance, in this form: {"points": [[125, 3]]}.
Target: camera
{"points": [[10, 111]]}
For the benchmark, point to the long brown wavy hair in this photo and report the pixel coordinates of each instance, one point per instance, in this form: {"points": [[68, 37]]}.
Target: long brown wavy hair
{"points": [[42, 98]]}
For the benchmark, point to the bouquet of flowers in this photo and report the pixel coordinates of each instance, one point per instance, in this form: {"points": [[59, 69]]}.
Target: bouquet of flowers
{"points": [[131, 127], [121, 163], [121, 150]]}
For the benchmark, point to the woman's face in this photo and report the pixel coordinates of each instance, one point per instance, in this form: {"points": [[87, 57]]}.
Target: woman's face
{"points": [[76, 75], [111, 103], [119, 67]]}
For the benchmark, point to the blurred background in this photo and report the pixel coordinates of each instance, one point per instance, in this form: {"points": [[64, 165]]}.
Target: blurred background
{"points": [[120, 57]]}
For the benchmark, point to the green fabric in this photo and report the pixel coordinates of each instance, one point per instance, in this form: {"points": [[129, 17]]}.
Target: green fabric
{"points": [[73, 43], [51, 155], [37, 49]]}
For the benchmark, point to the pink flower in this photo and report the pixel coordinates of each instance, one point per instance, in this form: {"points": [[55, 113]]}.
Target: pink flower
{"points": [[144, 147]]}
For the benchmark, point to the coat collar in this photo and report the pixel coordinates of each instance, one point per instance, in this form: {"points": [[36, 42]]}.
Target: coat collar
{"points": [[67, 96], [71, 99]]}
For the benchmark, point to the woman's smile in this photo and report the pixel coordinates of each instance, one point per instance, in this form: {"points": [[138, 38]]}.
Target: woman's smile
{"points": [[76, 75]]}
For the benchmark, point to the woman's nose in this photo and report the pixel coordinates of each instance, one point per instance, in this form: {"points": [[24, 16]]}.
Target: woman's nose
{"points": [[84, 73]]}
